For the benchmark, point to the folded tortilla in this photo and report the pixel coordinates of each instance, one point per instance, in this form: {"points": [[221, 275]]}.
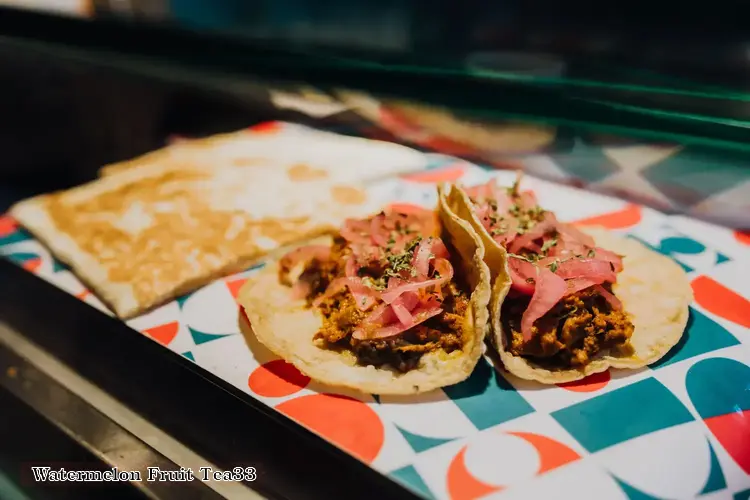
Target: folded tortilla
{"points": [[287, 327], [147, 234], [653, 289]]}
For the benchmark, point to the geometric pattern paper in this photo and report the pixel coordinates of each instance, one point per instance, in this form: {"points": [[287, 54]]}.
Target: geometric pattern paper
{"points": [[623, 434]]}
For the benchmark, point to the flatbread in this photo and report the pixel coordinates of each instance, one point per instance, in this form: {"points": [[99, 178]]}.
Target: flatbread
{"points": [[359, 159], [652, 287], [143, 235], [287, 327]]}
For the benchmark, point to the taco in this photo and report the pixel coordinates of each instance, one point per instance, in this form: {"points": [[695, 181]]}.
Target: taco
{"points": [[566, 302], [393, 304]]}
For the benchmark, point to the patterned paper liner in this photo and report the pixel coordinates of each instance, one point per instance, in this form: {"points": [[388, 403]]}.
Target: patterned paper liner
{"points": [[678, 429]]}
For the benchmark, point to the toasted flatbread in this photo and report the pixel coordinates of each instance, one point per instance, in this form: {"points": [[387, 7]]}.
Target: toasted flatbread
{"points": [[144, 235], [653, 288], [287, 328], [359, 159]]}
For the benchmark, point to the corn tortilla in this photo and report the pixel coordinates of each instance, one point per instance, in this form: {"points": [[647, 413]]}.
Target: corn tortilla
{"points": [[654, 290], [287, 327]]}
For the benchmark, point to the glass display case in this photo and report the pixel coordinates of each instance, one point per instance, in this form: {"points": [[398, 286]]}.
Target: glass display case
{"points": [[649, 120]]}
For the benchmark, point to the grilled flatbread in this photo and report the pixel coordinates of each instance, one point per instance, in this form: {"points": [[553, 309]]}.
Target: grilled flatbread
{"points": [[287, 144], [340, 339], [144, 235]]}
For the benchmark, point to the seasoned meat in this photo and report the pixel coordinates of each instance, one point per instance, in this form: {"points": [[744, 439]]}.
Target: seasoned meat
{"points": [[444, 331], [572, 333]]}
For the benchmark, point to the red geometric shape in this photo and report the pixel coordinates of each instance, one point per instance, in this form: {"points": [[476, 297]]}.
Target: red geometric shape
{"points": [[733, 432], [743, 237], [552, 454], [235, 285], [268, 128], [621, 219], [720, 300], [407, 208], [32, 265], [447, 174], [348, 423], [592, 383], [462, 485], [164, 334], [277, 379], [8, 225]]}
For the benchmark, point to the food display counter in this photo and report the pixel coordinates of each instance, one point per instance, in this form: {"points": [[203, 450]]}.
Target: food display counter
{"points": [[187, 385]]}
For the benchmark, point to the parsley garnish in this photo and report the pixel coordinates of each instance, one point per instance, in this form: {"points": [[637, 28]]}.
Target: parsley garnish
{"points": [[522, 257], [591, 253], [549, 244], [554, 265]]}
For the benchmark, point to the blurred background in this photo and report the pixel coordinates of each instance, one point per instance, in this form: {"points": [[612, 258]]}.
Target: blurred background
{"points": [[648, 101]]}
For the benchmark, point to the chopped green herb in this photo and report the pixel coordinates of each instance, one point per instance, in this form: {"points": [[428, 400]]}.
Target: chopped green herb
{"points": [[530, 280], [501, 229], [592, 253], [549, 244], [522, 257], [554, 265]]}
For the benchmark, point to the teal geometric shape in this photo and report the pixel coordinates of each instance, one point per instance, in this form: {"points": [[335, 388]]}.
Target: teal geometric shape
{"points": [[181, 300], [189, 355], [487, 399], [58, 266], [742, 495], [586, 162], [422, 443], [664, 251], [15, 237], [410, 478], [718, 386], [201, 338], [20, 258], [694, 174], [626, 413], [437, 161], [702, 335], [716, 479], [720, 258], [633, 493]]}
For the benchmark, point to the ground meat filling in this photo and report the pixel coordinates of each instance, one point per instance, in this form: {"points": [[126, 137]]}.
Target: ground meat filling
{"points": [[341, 316], [570, 334]]}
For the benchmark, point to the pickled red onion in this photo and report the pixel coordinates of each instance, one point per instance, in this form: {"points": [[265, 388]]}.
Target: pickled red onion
{"points": [[549, 289]]}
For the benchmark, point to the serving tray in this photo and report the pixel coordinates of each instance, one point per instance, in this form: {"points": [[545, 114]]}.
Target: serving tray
{"points": [[677, 429]]}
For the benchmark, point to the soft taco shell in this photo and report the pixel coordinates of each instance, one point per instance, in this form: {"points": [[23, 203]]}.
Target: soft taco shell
{"points": [[653, 289], [287, 327]]}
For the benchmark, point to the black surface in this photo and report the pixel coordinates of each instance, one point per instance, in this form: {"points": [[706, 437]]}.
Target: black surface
{"points": [[218, 421], [27, 439]]}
